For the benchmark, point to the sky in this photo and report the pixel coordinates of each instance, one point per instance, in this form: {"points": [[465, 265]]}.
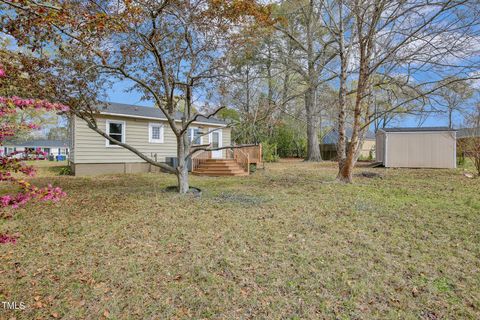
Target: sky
{"points": [[117, 94]]}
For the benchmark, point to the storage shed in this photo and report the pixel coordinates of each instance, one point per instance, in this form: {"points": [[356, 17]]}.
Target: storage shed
{"points": [[427, 147]]}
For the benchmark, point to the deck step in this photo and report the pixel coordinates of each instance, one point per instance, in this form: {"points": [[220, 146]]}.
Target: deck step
{"points": [[219, 167], [218, 174]]}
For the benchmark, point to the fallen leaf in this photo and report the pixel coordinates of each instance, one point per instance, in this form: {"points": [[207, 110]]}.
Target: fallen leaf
{"points": [[55, 315], [178, 277], [106, 314], [414, 291]]}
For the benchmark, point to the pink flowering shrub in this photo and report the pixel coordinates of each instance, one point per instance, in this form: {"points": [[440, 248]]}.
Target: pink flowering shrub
{"points": [[9, 106], [5, 238]]}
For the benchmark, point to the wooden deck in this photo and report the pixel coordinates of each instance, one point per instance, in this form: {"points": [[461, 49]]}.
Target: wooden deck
{"points": [[236, 163], [219, 167]]}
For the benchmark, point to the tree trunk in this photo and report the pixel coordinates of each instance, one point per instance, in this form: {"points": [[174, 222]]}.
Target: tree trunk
{"points": [[345, 173], [342, 95], [313, 146], [182, 169], [342, 140], [450, 116]]}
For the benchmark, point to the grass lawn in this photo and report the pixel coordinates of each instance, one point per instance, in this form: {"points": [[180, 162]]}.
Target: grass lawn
{"points": [[285, 243]]}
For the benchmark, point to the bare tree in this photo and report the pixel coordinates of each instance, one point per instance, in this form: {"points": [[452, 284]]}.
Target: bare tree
{"points": [[416, 40], [171, 51], [313, 51], [453, 96]]}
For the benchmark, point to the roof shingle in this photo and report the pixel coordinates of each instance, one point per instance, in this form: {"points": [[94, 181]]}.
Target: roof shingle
{"points": [[148, 112]]}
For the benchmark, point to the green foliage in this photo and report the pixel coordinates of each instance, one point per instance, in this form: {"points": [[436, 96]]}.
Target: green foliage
{"points": [[367, 158], [229, 115], [269, 152], [290, 138], [65, 171], [58, 133]]}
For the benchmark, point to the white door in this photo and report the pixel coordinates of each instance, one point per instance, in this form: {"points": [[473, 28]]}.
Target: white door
{"points": [[216, 141]]}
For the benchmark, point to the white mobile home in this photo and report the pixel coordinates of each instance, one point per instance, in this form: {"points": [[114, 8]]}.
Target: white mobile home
{"points": [[50, 147], [433, 147]]}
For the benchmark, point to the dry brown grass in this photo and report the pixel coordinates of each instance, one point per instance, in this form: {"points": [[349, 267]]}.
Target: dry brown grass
{"points": [[287, 242]]}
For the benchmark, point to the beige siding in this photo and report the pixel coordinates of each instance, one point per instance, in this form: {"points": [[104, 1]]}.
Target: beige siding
{"points": [[226, 139], [90, 147], [420, 150], [367, 147]]}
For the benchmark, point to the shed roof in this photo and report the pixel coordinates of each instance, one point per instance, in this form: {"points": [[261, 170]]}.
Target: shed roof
{"points": [[417, 129], [38, 144], [332, 136], [146, 112]]}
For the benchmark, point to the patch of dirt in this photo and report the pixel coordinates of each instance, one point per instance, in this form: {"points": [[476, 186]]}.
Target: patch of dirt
{"points": [[369, 174], [239, 198], [193, 190]]}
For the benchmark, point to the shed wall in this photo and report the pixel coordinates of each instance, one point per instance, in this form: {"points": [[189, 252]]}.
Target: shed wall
{"points": [[420, 149], [380, 147]]}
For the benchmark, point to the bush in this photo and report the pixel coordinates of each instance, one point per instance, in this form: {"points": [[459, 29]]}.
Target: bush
{"points": [[290, 139], [269, 152], [65, 171]]}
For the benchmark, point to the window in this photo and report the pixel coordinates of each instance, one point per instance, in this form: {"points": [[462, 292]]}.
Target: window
{"points": [[195, 136], [155, 133], [116, 130]]}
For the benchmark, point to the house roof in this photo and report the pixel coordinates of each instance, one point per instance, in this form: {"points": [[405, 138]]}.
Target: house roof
{"points": [[417, 129], [38, 144], [134, 111], [468, 132], [332, 136]]}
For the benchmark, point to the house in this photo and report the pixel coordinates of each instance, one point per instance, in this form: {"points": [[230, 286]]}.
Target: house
{"points": [[50, 147], [428, 147], [147, 130], [468, 142], [328, 147], [468, 133]]}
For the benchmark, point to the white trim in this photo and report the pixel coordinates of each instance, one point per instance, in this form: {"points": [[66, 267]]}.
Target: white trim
{"points": [[385, 145], [163, 119], [107, 131], [191, 129], [455, 149], [390, 132], [150, 126], [218, 154]]}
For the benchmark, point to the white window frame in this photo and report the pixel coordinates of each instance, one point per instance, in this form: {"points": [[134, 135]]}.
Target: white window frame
{"points": [[192, 130], [150, 129], [107, 131]]}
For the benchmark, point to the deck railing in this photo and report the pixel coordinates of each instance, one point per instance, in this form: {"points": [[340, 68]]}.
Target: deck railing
{"points": [[200, 157], [242, 158], [254, 153]]}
